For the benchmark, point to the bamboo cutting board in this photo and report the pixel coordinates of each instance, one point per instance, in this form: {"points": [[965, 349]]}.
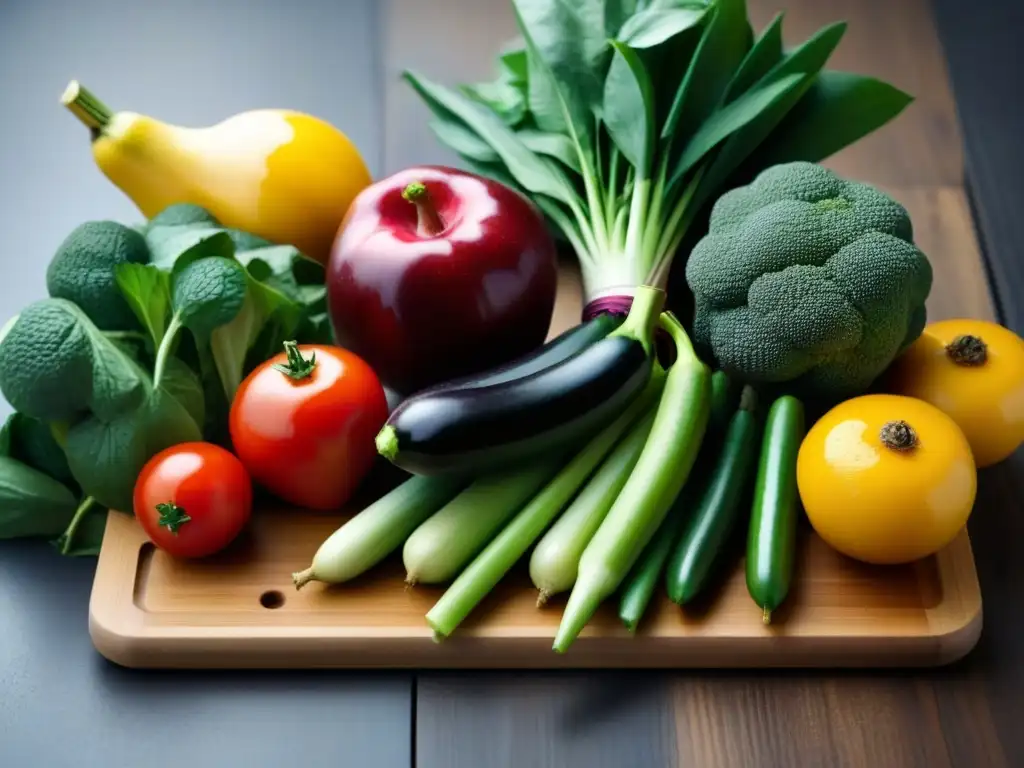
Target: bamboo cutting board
{"points": [[239, 609]]}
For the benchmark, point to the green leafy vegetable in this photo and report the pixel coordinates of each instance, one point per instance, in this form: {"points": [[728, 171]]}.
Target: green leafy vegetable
{"points": [[32, 442], [84, 534], [106, 456], [147, 289], [55, 364], [624, 119], [82, 270], [31, 503]]}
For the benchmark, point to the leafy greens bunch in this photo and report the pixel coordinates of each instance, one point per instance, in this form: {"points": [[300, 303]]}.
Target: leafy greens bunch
{"points": [[146, 335], [622, 119]]}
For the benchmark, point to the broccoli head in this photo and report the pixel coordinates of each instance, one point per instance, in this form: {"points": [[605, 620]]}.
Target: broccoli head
{"points": [[808, 280], [82, 271]]}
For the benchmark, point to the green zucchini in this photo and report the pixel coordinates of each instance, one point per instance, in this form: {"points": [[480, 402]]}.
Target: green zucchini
{"points": [[771, 541], [481, 429], [379, 529], [708, 528], [660, 473], [639, 586]]}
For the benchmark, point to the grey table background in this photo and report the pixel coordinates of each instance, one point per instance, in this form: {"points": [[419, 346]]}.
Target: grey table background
{"points": [[194, 62]]}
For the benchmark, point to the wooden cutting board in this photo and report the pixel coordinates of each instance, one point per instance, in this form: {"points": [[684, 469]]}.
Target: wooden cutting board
{"points": [[240, 609]]}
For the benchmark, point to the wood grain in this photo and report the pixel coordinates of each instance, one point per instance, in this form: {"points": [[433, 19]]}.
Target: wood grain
{"points": [[963, 716]]}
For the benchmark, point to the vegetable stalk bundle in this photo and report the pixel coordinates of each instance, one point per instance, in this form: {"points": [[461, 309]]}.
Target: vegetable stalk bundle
{"points": [[623, 119]]}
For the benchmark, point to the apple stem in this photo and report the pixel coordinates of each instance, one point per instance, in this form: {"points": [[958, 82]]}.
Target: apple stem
{"points": [[429, 221]]}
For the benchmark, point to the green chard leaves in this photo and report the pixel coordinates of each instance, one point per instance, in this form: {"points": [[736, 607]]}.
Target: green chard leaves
{"points": [[623, 119], [95, 400]]}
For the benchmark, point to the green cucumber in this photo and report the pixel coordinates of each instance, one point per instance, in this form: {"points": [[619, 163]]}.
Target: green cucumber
{"points": [[640, 585], [771, 542], [378, 530], [447, 540], [708, 528]]}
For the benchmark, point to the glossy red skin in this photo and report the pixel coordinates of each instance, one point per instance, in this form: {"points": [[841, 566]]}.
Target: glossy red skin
{"points": [[205, 480], [310, 441], [424, 309]]}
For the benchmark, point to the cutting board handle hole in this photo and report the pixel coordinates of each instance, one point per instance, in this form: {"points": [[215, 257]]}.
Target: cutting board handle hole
{"points": [[272, 599]]}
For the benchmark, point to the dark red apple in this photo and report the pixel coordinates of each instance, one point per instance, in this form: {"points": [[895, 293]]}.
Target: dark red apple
{"points": [[437, 273]]}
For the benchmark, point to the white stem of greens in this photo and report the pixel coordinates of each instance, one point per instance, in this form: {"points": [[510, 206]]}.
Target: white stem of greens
{"points": [[594, 202], [637, 222]]}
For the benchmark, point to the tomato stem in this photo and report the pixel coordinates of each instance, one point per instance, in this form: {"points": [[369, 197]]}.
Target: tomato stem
{"points": [[898, 435], [967, 350], [172, 516], [297, 366]]}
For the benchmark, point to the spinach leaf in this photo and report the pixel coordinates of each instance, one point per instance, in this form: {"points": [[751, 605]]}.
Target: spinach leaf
{"points": [[503, 98], [461, 139], [566, 46], [653, 27], [31, 442], [106, 456], [617, 13], [147, 289], [262, 309], [55, 364], [533, 173], [732, 118], [31, 503], [181, 383], [722, 48], [628, 111], [208, 293], [553, 145], [168, 242], [837, 110], [806, 61], [762, 57]]}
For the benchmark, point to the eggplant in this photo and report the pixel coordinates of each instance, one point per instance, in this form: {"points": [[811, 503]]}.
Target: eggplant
{"points": [[560, 348], [553, 409]]}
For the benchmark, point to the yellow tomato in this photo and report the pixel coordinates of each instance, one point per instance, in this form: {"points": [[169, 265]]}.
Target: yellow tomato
{"points": [[886, 478], [974, 371]]}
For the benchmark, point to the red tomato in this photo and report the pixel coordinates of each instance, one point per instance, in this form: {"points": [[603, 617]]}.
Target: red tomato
{"points": [[304, 422], [193, 499]]}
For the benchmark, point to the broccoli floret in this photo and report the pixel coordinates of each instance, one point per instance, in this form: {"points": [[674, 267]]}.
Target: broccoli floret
{"points": [[82, 271], [808, 280]]}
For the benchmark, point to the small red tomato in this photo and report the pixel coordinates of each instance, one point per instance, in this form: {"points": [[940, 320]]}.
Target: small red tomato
{"points": [[304, 422], [193, 499]]}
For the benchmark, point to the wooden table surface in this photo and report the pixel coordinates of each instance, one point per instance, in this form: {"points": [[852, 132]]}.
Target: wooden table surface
{"points": [[342, 59]]}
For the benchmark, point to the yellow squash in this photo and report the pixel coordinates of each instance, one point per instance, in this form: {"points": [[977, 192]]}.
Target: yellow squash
{"points": [[886, 479], [283, 175], [974, 371]]}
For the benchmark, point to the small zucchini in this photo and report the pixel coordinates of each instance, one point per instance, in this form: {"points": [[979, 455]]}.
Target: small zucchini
{"points": [[639, 587], [718, 507], [771, 541], [487, 427]]}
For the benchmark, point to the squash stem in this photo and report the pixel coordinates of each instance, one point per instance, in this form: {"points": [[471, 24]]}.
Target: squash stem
{"points": [[643, 316], [86, 107]]}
